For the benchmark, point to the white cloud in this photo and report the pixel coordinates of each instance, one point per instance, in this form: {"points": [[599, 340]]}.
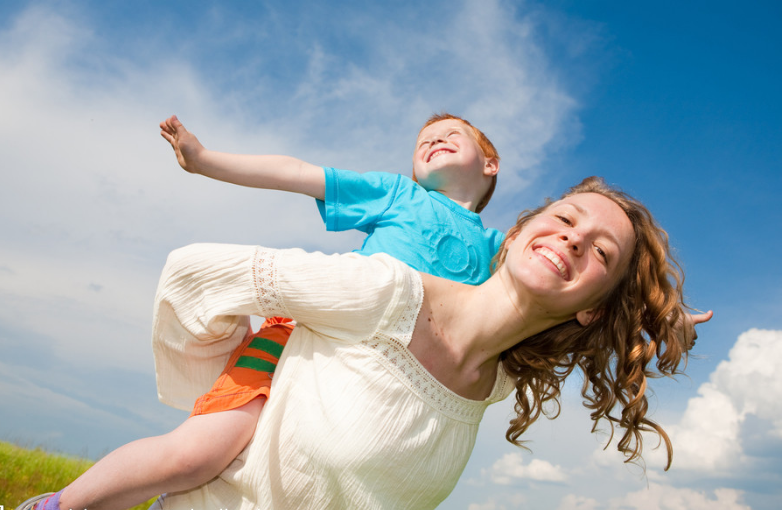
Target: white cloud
{"points": [[488, 505], [511, 468], [92, 198], [709, 437], [660, 497], [507, 502], [572, 502]]}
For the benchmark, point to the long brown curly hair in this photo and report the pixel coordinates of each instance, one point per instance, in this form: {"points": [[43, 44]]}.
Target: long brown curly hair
{"points": [[635, 323]]}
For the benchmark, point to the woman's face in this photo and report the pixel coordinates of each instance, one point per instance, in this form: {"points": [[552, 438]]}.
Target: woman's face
{"points": [[570, 256]]}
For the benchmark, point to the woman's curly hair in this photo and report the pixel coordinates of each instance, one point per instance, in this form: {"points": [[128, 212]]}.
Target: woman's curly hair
{"points": [[635, 323]]}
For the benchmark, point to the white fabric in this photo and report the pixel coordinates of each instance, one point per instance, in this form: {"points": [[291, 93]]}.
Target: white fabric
{"points": [[354, 421]]}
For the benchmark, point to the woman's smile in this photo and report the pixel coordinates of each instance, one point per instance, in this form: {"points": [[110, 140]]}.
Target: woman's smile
{"points": [[558, 262]]}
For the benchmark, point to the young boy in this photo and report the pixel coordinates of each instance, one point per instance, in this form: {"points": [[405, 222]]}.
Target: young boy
{"points": [[429, 222]]}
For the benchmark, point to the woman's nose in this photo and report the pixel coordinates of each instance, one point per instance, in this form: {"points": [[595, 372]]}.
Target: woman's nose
{"points": [[574, 241]]}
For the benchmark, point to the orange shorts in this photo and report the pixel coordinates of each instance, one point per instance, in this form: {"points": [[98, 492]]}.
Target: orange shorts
{"points": [[248, 373]]}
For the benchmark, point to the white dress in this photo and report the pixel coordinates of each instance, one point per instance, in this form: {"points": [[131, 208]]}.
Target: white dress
{"points": [[354, 420]]}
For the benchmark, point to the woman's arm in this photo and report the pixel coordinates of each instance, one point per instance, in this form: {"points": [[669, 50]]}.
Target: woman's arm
{"points": [[208, 291]]}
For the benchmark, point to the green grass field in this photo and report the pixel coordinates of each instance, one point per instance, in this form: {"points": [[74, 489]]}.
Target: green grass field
{"points": [[25, 473]]}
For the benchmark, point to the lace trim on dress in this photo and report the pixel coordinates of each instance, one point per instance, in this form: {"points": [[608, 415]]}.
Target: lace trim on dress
{"points": [[391, 351], [267, 292]]}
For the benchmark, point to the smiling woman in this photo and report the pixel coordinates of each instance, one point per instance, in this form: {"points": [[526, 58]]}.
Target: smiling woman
{"points": [[582, 245], [379, 393], [613, 340]]}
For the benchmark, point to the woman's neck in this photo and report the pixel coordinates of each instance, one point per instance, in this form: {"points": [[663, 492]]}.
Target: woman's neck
{"points": [[462, 330]]}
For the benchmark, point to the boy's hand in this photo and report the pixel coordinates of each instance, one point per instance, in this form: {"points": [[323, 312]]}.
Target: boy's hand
{"points": [[185, 144], [685, 326]]}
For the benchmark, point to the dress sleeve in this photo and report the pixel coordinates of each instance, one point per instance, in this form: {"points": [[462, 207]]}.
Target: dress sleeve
{"points": [[208, 291], [356, 201]]}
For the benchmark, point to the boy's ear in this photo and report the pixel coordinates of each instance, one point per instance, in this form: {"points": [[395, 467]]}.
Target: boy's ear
{"points": [[491, 167], [585, 317]]}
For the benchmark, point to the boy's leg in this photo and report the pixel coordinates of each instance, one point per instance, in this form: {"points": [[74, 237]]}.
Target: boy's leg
{"points": [[222, 423], [189, 456]]}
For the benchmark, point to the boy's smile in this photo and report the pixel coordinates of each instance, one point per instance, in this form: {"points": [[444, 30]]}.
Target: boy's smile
{"points": [[438, 152], [442, 138], [447, 155]]}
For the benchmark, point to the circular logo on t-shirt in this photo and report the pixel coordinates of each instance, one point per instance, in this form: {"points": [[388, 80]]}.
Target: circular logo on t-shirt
{"points": [[455, 257]]}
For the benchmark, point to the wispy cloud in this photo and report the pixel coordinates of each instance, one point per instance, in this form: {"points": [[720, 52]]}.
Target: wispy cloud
{"points": [[92, 197]]}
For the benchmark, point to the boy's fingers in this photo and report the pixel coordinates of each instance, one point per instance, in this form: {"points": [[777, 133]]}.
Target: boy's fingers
{"points": [[177, 125], [695, 319], [168, 123], [702, 317]]}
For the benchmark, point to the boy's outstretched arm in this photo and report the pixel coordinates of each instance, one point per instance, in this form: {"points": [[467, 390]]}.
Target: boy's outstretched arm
{"points": [[257, 171]]}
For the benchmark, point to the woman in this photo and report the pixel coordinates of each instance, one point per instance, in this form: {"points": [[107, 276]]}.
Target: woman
{"points": [[378, 396]]}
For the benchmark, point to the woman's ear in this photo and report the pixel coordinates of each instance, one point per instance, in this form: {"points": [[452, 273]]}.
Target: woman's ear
{"points": [[585, 317]]}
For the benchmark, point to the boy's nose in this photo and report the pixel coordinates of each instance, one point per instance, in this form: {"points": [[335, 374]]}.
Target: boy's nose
{"points": [[436, 139]]}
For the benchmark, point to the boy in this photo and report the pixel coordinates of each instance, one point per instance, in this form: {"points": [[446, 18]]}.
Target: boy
{"points": [[433, 226]]}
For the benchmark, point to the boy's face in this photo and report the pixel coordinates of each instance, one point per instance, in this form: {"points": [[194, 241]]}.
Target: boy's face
{"points": [[447, 151]]}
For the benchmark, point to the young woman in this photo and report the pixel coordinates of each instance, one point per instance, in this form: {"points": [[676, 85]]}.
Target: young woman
{"points": [[379, 393]]}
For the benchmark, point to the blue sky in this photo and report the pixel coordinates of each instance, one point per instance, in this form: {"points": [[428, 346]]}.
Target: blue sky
{"points": [[676, 102]]}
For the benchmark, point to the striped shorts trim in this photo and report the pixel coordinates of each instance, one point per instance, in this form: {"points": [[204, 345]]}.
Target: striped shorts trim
{"points": [[248, 373]]}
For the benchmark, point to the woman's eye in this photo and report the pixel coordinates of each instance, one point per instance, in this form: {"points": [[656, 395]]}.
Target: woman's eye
{"points": [[602, 253], [565, 220]]}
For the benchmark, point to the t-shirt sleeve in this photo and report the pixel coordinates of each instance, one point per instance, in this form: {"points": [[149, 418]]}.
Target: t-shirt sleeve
{"points": [[356, 201], [208, 291]]}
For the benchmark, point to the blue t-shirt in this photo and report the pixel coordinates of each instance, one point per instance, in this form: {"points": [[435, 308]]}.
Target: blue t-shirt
{"points": [[425, 229]]}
